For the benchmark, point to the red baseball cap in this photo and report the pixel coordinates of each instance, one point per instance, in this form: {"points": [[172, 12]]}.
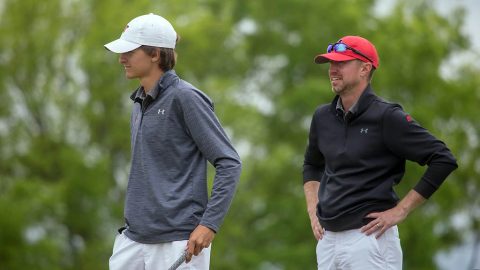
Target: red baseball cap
{"points": [[357, 48]]}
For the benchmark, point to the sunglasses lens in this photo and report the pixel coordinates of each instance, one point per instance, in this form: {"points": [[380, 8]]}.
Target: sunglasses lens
{"points": [[329, 48], [340, 47]]}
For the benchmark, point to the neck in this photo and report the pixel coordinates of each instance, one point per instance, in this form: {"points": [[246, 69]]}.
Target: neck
{"points": [[149, 81], [351, 97]]}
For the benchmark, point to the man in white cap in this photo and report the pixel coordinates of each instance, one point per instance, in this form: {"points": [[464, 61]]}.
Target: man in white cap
{"points": [[174, 132]]}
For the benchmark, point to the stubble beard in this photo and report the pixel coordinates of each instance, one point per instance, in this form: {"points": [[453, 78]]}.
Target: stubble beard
{"points": [[339, 89], [344, 88]]}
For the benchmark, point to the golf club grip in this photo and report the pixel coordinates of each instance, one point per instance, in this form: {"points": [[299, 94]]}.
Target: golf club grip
{"points": [[179, 261]]}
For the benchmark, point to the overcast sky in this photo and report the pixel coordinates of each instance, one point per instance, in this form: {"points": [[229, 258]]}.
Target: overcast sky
{"points": [[445, 7], [472, 20], [470, 28]]}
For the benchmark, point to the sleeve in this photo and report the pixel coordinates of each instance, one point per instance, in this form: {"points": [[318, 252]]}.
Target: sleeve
{"points": [[211, 139], [407, 139], [314, 162]]}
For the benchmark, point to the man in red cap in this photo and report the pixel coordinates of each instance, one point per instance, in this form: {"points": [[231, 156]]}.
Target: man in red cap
{"points": [[356, 153]]}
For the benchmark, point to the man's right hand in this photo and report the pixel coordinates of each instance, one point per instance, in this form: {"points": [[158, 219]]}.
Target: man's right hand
{"points": [[317, 229], [311, 195]]}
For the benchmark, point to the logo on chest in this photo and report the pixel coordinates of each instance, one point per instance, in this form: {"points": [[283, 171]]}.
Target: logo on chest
{"points": [[364, 131]]}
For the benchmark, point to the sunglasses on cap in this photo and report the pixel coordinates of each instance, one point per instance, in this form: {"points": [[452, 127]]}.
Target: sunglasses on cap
{"points": [[342, 47]]}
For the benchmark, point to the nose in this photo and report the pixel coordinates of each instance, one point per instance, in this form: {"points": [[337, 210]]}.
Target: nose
{"points": [[122, 58], [333, 67]]}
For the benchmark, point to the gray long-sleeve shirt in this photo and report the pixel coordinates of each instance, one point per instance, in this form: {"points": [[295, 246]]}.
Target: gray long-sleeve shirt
{"points": [[174, 131]]}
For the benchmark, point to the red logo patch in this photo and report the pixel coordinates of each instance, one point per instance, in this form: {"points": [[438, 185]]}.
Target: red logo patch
{"points": [[409, 118]]}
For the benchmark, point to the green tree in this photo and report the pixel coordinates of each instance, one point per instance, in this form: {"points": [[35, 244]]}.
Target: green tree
{"points": [[64, 112], [61, 156]]}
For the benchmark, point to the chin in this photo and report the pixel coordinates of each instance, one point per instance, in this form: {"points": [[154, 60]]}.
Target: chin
{"points": [[130, 76]]}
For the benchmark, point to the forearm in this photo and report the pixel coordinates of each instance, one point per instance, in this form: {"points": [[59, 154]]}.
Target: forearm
{"points": [[227, 174], [311, 196], [434, 176], [411, 201]]}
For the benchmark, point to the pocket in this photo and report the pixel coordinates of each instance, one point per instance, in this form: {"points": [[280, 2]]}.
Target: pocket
{"points": [[118, 242], [389, 245], [355, 237]]}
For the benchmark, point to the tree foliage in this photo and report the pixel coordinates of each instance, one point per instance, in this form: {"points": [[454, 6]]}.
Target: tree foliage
{"points": [[64, 112]]}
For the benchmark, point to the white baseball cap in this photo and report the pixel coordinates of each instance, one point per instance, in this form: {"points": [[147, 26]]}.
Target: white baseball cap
{"points": [[151, 30]]}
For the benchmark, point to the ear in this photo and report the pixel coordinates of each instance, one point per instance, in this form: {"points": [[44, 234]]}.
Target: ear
{"points": [[156, 55], [365, 68]]}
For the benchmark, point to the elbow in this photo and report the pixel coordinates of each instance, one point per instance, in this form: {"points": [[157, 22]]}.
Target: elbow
{"points": [[231, 165], [443, 159]]}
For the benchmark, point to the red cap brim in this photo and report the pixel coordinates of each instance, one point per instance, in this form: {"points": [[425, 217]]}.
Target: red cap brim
{"points": [[333, 56]]}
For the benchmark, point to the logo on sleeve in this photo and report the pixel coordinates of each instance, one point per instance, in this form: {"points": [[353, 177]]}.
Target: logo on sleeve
{"points": [[409, 118]]}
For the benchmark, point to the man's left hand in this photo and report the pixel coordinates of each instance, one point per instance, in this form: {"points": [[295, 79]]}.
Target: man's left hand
{"points": [[382, 221]]}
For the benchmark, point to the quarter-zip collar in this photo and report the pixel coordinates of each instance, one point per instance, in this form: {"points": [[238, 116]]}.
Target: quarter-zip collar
{"points": [[167, 79], [359, 107]]}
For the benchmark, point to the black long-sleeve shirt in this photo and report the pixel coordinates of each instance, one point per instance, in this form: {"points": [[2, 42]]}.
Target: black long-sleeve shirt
{"points": [[358, 159]]}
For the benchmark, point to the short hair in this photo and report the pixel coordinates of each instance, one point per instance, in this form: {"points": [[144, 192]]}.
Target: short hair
{"points": [[168, 56], [371, 73]]}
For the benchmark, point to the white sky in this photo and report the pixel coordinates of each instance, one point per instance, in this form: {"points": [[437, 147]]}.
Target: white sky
{"points": [[472, 20], [444, 7], [470, 29]]}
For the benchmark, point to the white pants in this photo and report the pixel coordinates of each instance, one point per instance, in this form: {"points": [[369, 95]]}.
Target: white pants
{"points": [[354, 250], [130, 255]]}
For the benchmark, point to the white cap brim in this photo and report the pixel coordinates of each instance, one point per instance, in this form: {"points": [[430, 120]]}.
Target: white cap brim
{"points": [[121, 46]]}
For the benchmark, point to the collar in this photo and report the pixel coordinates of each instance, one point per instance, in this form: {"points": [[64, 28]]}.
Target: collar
{"points": [[167, 79], [360, 106], [352, 109]]}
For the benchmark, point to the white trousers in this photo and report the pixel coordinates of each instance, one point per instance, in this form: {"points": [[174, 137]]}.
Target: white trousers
{"points": [[354, 250], [130, 255]]}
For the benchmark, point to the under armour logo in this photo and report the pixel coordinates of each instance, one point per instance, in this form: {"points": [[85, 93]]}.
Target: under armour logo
{"points": [[364, 130], [161, 111]]}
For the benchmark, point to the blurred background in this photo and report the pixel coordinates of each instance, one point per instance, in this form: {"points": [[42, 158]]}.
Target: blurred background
{"points": [[64, 112]]}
